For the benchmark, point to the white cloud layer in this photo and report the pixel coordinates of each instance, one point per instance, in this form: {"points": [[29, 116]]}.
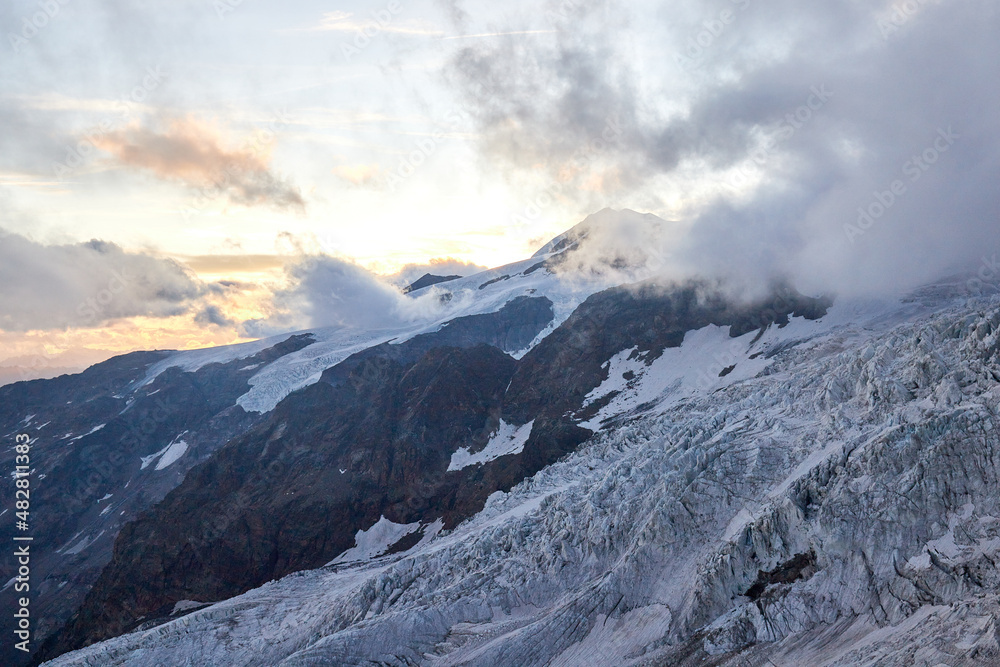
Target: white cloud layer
{"points": [[87, 285], [328, 291]]}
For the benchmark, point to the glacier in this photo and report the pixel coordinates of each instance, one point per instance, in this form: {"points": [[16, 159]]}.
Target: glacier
{"points": [[830, 501]]}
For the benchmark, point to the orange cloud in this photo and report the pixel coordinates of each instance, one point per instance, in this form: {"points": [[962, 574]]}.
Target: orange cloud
{"points": [[193, 153], [359, 174]]}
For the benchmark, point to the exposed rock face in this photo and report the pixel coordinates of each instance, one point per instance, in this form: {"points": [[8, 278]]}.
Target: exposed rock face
{"points": [[90, 435], [649, 317], [370, 402], [292, 493], [376, 438], [427, 280]]}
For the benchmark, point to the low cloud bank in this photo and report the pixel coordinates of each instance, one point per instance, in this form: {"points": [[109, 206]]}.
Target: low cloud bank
{"points": [[328, 291], [87, 285]]}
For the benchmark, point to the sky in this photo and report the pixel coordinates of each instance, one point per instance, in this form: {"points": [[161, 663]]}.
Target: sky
{"points": [[199, 172]]}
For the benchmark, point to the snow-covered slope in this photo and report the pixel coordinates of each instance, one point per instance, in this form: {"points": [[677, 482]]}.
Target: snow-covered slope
{"points": [[484, 292], [824, 494]]}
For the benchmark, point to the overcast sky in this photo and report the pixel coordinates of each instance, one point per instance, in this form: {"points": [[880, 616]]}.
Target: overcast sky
{"points": [[205, 145]]}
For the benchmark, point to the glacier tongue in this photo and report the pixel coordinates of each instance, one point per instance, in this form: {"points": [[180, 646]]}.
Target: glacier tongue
{"points": [[835, 505]]}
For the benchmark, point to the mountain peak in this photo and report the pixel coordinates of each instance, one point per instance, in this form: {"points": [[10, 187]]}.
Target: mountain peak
{"points": [[606, 222], [427, 280]]}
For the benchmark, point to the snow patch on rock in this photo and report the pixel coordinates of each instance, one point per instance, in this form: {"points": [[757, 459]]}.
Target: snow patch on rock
{"points": [[509, 439], [375, 541], [173, 453]]}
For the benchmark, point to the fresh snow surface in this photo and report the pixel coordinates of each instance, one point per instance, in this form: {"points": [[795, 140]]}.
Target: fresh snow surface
{"points": [[147, 460], [299, 369], [697, 366], [192, 360], [169, 454], [693, 368], [376, 540], [509, 439], [173, 453]]}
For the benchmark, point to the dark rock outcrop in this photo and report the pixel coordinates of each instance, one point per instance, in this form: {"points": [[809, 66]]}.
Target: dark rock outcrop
{"points": [[375, 438], [90, 433], [427, 280], [554, 378], [275, 500]]}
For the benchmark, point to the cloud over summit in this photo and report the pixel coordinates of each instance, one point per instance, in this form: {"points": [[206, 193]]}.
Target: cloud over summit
{"points": [[769, 128], [327, 291]]}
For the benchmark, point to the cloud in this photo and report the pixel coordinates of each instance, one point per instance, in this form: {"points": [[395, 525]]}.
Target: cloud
{"points": [[622, 246], [213, 315], [234, 263], [360, 174], [332, 292], [382, 21], [87, 285], [501, 34], [780, 133], [457, 14], [192, 153], [439, 266]]}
